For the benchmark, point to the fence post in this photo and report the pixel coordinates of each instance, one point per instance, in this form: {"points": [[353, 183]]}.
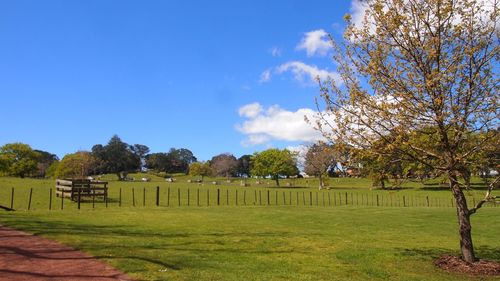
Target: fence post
{"points": [[133, 197], [260, 198], [93, 198], [244, 197], [208, 197], [29, 202], [346, 199], [178, 196], [427, 198], [297, 195], [316, 198], [157, 196], [377, 200], [284, 198], [404, 201], [62, 200], [168, 197], [268, 202], [276, 197], [12, 199], [310, 198], [227, 197], [50, 199], [236, 201], [120, 198], [79, 197], [198, 197], [329, 201], [189, 196], [218, 197]]}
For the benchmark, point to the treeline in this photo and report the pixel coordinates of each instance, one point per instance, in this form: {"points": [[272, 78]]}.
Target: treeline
{"points": [[387, 170], [120, 158]]}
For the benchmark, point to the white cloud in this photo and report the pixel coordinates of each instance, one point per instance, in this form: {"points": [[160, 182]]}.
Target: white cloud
{"points": [[250, 110], [275, 51], [315, 42], [274, 123], [265, 76], [300, 69], [301, 151]]}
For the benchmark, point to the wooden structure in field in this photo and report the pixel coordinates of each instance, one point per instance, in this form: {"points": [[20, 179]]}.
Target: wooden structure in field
{"points": [[73, 188]]}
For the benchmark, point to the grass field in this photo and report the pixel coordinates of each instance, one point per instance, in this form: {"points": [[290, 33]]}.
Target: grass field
{"points": [[252, 242]]}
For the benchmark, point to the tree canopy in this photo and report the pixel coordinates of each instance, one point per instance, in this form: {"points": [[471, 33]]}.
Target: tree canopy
{"points": [[174, 161], [320, 158], [117, 157], [224, 165], [77, 165], [274, 163], [413, 69], [201, 169], [18, 159]]}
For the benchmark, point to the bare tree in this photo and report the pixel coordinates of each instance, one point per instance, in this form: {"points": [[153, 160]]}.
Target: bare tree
{"points": [[420, 68], [224, 165], [320, 158]]}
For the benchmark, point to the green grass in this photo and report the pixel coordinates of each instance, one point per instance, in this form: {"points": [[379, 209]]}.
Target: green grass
{"points": [[292, 192], [257, 242]]}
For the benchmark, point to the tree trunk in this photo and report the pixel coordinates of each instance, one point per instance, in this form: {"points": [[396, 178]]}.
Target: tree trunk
{"points": [[466, 246], [277, 181], [321, 185]]}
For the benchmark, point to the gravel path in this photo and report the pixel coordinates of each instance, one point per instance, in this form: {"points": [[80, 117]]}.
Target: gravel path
{"points": [[28, 257]]}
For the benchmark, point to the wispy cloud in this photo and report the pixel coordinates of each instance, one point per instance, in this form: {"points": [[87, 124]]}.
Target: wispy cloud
{"points": [[315, 42], [265, 76], [275, 51], [312, 72]]}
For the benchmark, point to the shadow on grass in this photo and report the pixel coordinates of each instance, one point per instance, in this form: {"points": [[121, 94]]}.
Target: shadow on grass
{"points": [[145, 241]]}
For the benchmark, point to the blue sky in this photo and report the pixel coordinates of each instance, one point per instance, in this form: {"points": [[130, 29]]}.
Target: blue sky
{"points": [[211, 76]]}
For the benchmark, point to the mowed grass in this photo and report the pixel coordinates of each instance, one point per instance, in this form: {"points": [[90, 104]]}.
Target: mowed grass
{"points": [[253, 242], [300, 192], [267, 243]]}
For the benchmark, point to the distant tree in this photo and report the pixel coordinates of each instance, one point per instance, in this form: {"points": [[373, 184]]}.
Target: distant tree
{"points": [[320, 158], [224, 165], [117, 157], [200, 169], [141, 151], [175, 161], [52, 169], [275, 163], [244, 165], [180, 160], [44, 160], [160, 162], [18, 159], [76, 165]]}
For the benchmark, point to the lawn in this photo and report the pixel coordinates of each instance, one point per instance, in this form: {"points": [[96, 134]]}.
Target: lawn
{"points": [[252, 242]]}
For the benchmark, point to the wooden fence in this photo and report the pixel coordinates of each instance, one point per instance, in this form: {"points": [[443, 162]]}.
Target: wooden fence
{"points": [[207, 197]]}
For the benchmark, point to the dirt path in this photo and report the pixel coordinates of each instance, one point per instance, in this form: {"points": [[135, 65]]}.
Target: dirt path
{"points": [[27, 257]]}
